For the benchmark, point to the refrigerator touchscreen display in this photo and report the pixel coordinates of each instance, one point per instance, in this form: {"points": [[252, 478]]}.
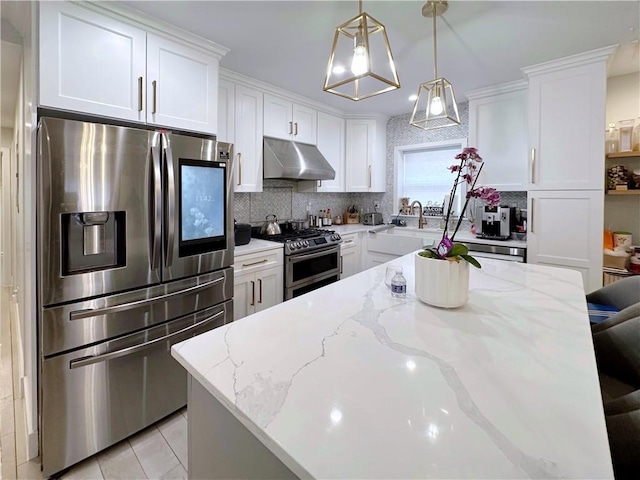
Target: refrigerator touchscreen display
{"points": [[202, 208]]}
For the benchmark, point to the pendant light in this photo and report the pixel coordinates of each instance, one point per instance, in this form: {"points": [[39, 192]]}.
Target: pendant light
{"points": [[361, 63], [436, 105]]}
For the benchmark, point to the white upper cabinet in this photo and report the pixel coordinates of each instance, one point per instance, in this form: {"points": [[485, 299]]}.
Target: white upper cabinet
{"points": [[288, 120], [226, 111], [498, 129], [248, 139], [567, 101], [331, 132], [182, 86], [365, 155], [91, 63]]}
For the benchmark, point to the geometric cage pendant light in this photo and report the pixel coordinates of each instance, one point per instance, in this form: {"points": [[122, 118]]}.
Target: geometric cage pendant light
{"points": [[361, 63], [436, 105]]}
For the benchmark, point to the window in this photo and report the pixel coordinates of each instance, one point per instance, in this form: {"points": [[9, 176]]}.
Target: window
{"points": [[422, 173]]}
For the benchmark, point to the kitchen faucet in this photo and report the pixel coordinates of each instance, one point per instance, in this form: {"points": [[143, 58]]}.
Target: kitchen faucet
{"points": [[421, 221]]}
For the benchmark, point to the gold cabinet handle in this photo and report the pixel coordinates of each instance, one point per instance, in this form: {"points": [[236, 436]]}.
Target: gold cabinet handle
{"points": [[264, 260], [239, 168], [260, 292], [290, 128], [369, 176], [533, 165], [139, 94], [320, 183], [341, 263], [155, 97], [296, 124], [530, 226], [253, 293]]}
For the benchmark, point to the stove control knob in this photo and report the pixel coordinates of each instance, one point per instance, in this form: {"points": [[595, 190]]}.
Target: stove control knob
{"points": [[297, 245], [305, 243]]}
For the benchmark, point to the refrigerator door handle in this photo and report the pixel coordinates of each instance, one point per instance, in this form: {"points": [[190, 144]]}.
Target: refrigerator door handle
{"points": [[156, 199], [171, 202], [83, 362], [92, 312]]}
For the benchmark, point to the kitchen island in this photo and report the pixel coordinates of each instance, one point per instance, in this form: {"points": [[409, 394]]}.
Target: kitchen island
{"points": [[348, 382]]}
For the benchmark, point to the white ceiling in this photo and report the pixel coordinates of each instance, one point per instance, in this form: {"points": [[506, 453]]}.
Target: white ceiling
{"points": [[287, 43]]}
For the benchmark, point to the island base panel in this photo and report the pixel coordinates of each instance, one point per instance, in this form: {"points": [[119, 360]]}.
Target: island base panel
{"points": [[220, 447]]}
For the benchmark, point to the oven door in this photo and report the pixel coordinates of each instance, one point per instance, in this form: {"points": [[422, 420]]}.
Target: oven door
{"points": [[305, 272]]}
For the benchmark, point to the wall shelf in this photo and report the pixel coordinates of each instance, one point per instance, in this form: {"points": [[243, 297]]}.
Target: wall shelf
{"points": [[623, 155], [623, 192]]}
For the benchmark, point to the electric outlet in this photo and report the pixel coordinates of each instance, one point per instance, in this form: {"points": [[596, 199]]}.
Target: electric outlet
{"points": [[376, 204]]}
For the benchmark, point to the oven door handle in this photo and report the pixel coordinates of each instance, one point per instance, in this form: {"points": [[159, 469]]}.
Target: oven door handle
{"points": [[321, 253], [92, 312], [84, 361]]}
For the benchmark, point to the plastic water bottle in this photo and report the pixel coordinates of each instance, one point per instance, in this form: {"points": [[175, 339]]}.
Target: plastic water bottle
{"points": [[398, 285]]}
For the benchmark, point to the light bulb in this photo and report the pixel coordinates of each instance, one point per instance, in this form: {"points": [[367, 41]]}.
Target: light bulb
{"points": [[436, 106], [359, 64]]}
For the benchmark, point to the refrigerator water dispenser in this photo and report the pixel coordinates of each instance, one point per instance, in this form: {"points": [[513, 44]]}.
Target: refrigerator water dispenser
{"points": [[92, 241]]}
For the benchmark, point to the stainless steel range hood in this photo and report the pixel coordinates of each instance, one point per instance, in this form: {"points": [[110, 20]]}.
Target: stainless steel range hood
{"points": [[295, 161]]}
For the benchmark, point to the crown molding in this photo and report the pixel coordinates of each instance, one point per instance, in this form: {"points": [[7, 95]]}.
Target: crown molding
{"points": [[270, 89], [585, 58], [155, 26], [499, 89]]}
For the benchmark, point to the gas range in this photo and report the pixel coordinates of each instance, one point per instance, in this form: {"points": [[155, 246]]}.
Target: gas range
{"points": [[306, 240]]}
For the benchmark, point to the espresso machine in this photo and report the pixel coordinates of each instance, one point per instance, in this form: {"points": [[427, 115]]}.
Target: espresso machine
{"points": [[494, 222]]}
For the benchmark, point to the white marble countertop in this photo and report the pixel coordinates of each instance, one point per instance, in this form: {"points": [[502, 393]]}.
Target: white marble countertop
{"points": [[467, 237], [256, 245], [348, 382]]}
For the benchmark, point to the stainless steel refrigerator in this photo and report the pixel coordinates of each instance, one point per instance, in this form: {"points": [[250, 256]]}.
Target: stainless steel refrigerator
{"points": [[135, 247]]}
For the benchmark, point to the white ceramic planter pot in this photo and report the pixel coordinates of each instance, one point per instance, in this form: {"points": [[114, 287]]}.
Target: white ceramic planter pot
{"points": [[442, 283]]}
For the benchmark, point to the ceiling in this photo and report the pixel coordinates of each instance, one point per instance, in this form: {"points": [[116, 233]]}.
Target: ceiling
{"points": [[287, 43]]}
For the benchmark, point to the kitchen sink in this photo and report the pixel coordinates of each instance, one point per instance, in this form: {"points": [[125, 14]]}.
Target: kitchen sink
{"points": [[400, 241]]}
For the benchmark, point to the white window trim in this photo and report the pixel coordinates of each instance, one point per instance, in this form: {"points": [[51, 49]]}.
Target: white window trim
{"points": [[398, 164]]}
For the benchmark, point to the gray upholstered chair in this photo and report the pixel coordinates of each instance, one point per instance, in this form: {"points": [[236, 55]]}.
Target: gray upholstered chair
{"points": [[617, 346], [623, 295]]}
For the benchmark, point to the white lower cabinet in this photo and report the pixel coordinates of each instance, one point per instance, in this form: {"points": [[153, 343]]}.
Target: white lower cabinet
{"points": [[350, 254], [258, 282], [565, 230]]}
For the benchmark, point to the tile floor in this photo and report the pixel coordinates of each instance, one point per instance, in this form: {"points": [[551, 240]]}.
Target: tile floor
{"points": [[158, 452]]}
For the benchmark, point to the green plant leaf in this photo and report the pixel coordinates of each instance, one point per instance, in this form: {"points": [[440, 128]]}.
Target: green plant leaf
{"points": [[472, 261], [429, 253], [458, 249]]}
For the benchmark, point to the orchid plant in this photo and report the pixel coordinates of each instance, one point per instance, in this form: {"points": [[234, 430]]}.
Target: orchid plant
{"points": [[466, 171]]}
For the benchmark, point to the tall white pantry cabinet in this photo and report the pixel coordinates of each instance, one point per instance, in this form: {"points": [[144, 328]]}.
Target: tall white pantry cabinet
{"points": [[567, 102]]}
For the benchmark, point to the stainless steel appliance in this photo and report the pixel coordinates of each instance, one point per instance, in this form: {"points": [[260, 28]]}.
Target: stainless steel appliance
{"points": [[497, 252], [135, 247], [494, 222], [372, 219], [312, 258]]}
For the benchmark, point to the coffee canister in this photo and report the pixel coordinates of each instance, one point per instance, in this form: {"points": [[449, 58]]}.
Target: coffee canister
{"points": [[622, 240]]}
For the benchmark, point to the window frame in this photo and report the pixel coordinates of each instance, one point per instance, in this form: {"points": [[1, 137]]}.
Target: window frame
{"points": [[398, 166]]}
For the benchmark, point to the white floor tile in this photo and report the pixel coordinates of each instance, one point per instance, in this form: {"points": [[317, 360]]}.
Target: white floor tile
{"points": [[89, 469], [178, 473], [120, 463], [30, 470], [8, 470], [153, 452], [174, 430]]}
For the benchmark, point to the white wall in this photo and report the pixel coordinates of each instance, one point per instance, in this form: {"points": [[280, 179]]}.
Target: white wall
{"points": [[622, 212]]}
